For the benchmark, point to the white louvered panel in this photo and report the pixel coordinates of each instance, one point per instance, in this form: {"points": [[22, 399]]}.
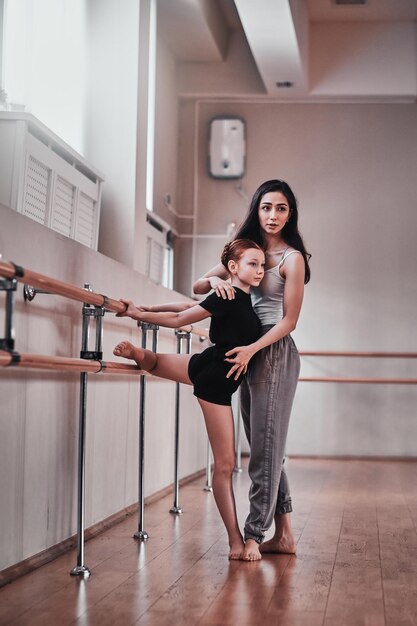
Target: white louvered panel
{"points": [[86, 220], [63, 207], [155, 260], [36, 191]]}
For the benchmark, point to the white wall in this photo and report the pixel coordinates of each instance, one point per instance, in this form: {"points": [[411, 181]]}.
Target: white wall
{"points": [[363, 59], [352, 167], [39, 410]]}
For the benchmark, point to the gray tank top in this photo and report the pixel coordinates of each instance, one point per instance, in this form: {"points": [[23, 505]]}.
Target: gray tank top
{"points": [[268, 298]]}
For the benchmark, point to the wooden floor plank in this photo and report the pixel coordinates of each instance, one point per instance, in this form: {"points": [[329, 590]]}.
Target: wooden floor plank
{"points": [[355, 523]]}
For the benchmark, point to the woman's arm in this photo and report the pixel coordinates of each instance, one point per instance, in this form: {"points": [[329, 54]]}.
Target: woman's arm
{"points": [[170, 319], [218, 279], [293, 298]]}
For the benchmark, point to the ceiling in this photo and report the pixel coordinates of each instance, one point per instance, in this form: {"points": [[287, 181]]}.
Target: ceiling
{"points": [[313, 47], [373, 10]]}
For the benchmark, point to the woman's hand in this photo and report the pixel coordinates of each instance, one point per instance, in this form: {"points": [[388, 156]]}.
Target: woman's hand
{"points": [[222, 287], [241, 358], [131, 310]]}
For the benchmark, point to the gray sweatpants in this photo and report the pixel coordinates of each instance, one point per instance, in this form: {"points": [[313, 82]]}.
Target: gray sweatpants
{"points": [[266, 397]]}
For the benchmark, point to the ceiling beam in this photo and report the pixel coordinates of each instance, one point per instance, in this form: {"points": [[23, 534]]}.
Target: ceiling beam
{"points": [[277, 33]]}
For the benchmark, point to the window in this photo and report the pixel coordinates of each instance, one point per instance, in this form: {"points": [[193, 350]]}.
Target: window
{"points": [[159, 252]]}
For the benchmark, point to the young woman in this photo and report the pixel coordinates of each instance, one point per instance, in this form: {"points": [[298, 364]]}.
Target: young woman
{"points": [[268, 391], [233, 322]]}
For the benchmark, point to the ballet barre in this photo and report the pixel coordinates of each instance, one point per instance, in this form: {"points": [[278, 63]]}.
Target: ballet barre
{"points": [[345, 379], [65, 364], [95, 305], [359, 379], [368, 381], [48, 285], [367, 355]]}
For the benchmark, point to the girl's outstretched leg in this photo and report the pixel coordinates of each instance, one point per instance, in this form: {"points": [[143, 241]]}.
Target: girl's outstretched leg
{"points": [[170, 366], [220, 429], [145, 359]]}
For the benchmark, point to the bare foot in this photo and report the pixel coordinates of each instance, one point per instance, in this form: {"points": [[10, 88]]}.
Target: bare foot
{"points": [[279, 545], [236, 550], [127, 350], [251, 551]]}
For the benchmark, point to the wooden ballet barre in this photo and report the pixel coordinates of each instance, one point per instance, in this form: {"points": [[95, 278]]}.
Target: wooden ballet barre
{"points": [[60, 288], [382, 355], [372, 381], [66, 364]]}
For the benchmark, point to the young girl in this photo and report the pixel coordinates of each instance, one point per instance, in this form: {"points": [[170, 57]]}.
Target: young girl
{"points": [[233, 322], [267, 392]]}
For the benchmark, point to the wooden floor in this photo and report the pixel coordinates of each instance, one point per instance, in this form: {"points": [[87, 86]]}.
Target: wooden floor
{"points": [[355, 523]]}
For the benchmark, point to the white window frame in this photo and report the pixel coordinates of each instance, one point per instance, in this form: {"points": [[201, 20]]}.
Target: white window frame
{"points": [[159, 251]]}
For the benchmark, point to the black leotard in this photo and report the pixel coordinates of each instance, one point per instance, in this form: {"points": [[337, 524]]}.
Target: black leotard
{"points": [[233, 323]]}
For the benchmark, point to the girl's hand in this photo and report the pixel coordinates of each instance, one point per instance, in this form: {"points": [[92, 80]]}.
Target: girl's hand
{"points": [[241, 358], [222, 288], [131, 310]]}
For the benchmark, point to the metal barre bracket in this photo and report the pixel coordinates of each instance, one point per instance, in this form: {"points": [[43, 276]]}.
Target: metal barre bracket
{"points": [[182, 334], [9, 285], [19, 271], [91, 355], [148, 326], [15, 357], [30, 292]]}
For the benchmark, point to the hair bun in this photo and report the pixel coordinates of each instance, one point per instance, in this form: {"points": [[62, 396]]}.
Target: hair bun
{"points": [[225, 254]]}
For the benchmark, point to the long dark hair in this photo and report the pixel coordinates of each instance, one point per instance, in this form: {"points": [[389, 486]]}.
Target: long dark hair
{"points": [[250, 229]]}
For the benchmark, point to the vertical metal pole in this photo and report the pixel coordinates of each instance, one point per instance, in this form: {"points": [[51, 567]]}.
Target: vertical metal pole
{"points": [[81, 569], [141, 534], [176, 509], [99, 330], [154, 337], [208, 486], [238, 421]]}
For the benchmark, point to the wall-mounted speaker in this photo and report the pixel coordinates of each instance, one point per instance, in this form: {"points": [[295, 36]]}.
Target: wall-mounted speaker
{"points": [[227, 147]]}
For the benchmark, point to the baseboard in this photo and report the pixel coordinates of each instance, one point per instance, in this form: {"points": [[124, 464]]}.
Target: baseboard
{"points": [[13, 572]]}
